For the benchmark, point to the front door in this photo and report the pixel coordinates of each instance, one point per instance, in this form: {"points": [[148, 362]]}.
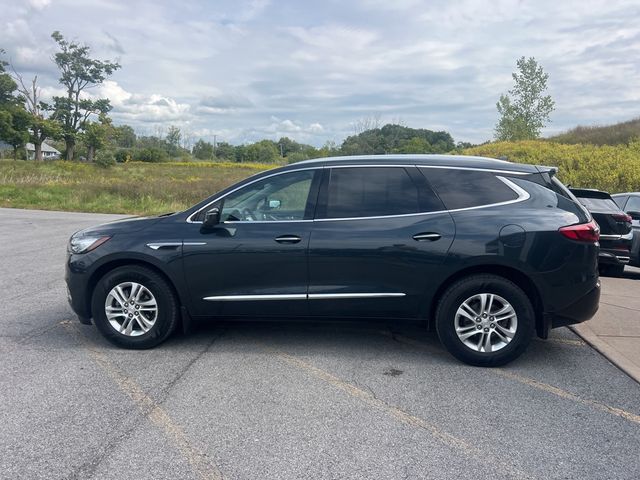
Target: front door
{"points": [[254, 262], [379, 240]]}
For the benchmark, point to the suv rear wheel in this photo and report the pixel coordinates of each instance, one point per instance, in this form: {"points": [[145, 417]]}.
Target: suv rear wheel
{"points": [[134, 307], [485, 320]]}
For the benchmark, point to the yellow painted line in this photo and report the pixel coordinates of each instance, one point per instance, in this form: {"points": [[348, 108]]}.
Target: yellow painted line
{"points": [[632, 417], [150, 408], [397, 413]]}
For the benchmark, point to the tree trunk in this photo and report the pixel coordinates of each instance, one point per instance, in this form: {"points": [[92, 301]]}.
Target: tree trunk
{"points": [[71, 144], [38, 151], [90, 153]]}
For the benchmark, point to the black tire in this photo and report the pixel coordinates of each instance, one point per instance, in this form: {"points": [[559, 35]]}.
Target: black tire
{"points": [[612, 270], [167, 307], [466, 288]]}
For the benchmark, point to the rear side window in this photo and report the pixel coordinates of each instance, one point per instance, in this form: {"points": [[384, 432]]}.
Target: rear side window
{"points": [[603, 205], [468, 188], [620, 201], [633, 205], [370, 192]]}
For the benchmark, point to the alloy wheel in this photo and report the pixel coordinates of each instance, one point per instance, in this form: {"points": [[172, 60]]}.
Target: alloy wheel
{"points": [[486, 322], [131, 309]]}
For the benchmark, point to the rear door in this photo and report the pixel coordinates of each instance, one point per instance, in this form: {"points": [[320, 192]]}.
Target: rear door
{"points": [[379, 240]]}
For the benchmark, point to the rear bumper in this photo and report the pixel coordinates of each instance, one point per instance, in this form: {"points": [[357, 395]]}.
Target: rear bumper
{"points": [[614, 257], [581, 310]]}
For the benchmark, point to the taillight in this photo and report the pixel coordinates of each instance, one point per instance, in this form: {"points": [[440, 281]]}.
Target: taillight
{"points": [[583, 232], [622, 217]]}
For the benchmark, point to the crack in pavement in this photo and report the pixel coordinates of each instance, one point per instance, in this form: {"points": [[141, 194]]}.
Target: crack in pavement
{"points": [[370, 399], [149, 409]]}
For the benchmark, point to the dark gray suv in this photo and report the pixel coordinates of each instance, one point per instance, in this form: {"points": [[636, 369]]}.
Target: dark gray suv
{"points": [[487, 252]]}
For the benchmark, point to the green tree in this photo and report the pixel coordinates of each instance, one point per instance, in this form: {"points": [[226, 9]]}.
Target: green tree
{"points": [[264, 151], [225, 151], [40, 126], [14, 119], [78, 71], [96, 135], [173, 140], [124, 136], [524, 111], [203, 150]]}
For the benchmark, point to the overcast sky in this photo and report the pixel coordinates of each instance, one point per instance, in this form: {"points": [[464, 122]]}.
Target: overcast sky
{"points": [[252, 69]]}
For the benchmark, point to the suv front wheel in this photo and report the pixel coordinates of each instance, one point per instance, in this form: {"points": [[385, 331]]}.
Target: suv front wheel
{"points": [[134, 307], [485, 320]]}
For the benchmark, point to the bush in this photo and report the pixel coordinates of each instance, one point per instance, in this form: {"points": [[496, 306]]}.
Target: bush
{"points": [[123, 155], [151, 154], [609, 168], [105, 159]]}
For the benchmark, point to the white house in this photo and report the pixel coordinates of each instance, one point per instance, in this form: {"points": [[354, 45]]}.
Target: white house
{"points": [[48, 152]]}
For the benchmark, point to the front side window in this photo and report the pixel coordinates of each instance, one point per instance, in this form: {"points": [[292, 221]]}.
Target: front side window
{"points": [[468, 188], [355, 192], [282, 197]]}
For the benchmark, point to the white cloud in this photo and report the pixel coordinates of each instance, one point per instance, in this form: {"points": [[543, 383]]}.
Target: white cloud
{"points": [[229, 66], [39, 4]]}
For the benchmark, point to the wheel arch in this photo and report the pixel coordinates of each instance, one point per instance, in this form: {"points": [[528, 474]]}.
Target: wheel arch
{"points": [[111, 265], [516, 276]]}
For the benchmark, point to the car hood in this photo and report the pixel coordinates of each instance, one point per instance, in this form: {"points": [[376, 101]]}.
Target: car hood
{"points": [[126, 225]]}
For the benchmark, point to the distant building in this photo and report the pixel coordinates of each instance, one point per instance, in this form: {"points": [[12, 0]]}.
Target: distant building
{"points": [[48, 152]]}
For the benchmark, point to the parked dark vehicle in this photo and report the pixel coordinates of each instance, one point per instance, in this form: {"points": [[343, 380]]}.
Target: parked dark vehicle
{"points": [[630, 203], [615, 229], [485, 251]]}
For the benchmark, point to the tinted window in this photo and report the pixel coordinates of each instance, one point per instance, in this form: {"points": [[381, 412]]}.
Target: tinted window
{"points": [[604, 205], [468, 188], [370, 192], [633, 205], [620, 201], [277, 198]]}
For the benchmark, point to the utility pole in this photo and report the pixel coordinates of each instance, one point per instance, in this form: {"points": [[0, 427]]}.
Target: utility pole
{"points": [[214, 145]]}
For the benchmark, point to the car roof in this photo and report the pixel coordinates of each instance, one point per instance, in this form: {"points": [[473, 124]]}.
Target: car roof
{"points": [[461, 161], [626, 194]]}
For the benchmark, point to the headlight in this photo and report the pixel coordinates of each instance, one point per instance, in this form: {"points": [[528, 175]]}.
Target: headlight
{"points": [[85, 244]]}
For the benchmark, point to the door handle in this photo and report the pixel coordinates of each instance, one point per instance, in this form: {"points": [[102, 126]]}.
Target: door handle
{"points": [[288, 239], [423, 237]]}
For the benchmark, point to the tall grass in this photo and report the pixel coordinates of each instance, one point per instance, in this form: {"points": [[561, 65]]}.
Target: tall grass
{"points": [[618, 134], [136, 188], [610, 168]]}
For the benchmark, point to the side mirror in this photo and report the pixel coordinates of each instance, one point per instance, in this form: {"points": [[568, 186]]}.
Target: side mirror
{"points": [[211, 218], [273, 204], [634, 215]]}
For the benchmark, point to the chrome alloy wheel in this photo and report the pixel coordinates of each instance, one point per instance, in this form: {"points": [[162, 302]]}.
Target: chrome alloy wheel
{"points": [[486, 322], [131, 309]]}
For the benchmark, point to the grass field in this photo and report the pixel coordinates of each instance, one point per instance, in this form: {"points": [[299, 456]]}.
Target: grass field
{"points": [[136, 188], [153, 188]]}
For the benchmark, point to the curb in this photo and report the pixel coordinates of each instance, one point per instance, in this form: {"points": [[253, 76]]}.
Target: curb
{"points": [[588, 335]]}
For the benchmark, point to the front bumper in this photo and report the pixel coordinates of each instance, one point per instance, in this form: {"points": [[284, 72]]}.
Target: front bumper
{"points": [[77, 291]]}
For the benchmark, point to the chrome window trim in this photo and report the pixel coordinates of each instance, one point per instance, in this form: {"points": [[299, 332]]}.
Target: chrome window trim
{"points": [[301, 296], [477, 169], [522, 194], [189, 219]]}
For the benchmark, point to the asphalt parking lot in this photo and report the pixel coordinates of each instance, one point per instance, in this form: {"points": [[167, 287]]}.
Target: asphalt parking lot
{"points": [[287, 400]]}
